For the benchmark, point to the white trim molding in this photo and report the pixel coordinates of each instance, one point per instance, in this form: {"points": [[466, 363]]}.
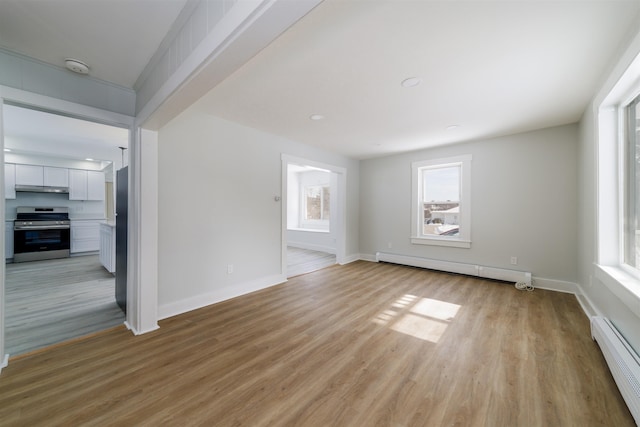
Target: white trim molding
{"points": [[5, 362], [622, 284], [463, 240], [348, 259], [312, 247], [556, 285], [218, 295]]}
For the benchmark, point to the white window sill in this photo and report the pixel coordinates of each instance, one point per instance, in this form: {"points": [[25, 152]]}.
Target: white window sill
{"points": [[621, 283], [441, 241], [311, 230]]}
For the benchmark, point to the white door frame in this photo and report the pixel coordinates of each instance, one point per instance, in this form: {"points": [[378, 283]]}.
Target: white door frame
{"points": [[341, 217], [71, 109]]}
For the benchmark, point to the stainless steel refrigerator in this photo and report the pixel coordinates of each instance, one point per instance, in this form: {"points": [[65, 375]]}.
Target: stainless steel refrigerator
{"points": [[122, 195]]}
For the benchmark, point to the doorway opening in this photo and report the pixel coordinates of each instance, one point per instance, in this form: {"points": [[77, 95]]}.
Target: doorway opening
{"points": [[53, 299], [313, 216]]}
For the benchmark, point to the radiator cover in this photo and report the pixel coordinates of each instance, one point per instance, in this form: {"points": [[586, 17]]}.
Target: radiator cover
{"points": [[623, 362], [458, 267]]}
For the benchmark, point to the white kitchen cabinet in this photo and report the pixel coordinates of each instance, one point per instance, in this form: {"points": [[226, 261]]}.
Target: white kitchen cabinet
{"points": [[95, 185], [77, 184], [86, 185], [9, 181], [29, 175], [8, 239], [108, 246], [56, 177], [85, 236]]}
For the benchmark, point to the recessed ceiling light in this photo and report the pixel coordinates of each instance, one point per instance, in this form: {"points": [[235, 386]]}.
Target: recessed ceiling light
{"points": [[76, 66], [316, 117], [411, 82], [453, 127], [7, 149], [88, 159]]}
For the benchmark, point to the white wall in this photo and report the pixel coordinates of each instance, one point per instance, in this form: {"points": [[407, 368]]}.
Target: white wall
{"points": [[523, 203], [217, 183]]}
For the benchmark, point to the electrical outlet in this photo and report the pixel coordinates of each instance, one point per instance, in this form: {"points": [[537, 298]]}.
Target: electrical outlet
{"points": [[389, 245], [229, 268], [514, 260]]}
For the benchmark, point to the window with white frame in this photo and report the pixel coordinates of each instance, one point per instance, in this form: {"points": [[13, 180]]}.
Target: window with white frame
{"points": [[316, 203], [631, 185], [618, 188], [441, 210]]}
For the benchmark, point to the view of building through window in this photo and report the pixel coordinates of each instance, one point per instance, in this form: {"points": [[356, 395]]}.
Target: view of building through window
{"points": [[441, 200]]}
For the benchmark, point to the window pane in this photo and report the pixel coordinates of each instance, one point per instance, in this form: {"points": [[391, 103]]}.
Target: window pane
{"points": [[441, 184], [326, 203], [441, 201], [313, 202], [632, 187]]}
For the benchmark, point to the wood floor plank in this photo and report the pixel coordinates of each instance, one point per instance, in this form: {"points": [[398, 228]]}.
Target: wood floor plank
{"points": [[364, 344]]}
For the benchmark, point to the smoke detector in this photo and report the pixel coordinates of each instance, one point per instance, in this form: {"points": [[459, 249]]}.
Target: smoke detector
{"points": [[76, 66]]}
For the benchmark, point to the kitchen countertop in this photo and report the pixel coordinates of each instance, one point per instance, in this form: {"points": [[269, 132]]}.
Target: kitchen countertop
{"points": [[86, 218]]}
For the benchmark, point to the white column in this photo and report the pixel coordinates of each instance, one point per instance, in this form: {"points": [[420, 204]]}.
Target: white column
{"points": [[142, 275]]}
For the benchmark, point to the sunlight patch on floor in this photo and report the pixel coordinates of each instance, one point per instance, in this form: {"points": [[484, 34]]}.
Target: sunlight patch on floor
{"points": [[423, 318]]}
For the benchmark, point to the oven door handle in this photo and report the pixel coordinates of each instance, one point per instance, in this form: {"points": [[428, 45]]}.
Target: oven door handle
{"points": [[41, 227]]}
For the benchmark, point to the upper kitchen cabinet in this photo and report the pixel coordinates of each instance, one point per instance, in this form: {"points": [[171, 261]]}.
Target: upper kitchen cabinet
{"points": [[9, 181], [29, 175], [95, 185], [56, 177], [86, 185]]}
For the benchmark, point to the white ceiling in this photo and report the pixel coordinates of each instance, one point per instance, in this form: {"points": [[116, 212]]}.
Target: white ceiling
{"points": [[35, 132], [490, 67], [116, 38]]}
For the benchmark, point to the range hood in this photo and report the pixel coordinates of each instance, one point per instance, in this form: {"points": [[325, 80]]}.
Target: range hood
{"points": [[42, 189]]}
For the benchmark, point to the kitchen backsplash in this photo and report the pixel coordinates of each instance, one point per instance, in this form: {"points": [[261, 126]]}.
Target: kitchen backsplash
{"points": [[78, 209]]}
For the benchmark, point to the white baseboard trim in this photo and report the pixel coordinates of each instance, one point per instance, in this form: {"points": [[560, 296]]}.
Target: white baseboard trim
{"points": [[5, 362], [538, 282], [312, 247], [137, 332], [348, 259], [555, 285], [199, 301], [369, 257], [588, 307]]}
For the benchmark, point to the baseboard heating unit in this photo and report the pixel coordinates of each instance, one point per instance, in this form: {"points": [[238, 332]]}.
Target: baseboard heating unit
{"points": [[519, 277], [623, 361]]}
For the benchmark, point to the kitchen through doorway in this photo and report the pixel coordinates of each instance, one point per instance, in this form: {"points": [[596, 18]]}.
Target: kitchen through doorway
{"points": [[54, 296]]}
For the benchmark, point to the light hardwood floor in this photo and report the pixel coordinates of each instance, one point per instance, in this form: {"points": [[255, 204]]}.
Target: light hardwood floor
{"points": [[51, 301], [302, 261], [364, 344]]}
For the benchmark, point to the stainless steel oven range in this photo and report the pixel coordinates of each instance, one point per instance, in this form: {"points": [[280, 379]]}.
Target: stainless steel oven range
{"points": [[41, 233]]}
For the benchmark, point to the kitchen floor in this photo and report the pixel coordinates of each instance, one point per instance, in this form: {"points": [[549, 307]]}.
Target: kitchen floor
{"points": [[51, 301]]}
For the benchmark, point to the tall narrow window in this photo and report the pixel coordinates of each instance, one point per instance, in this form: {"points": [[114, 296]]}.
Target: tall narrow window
{"points": [[441, 213], [631, 232], [316, 202]]}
